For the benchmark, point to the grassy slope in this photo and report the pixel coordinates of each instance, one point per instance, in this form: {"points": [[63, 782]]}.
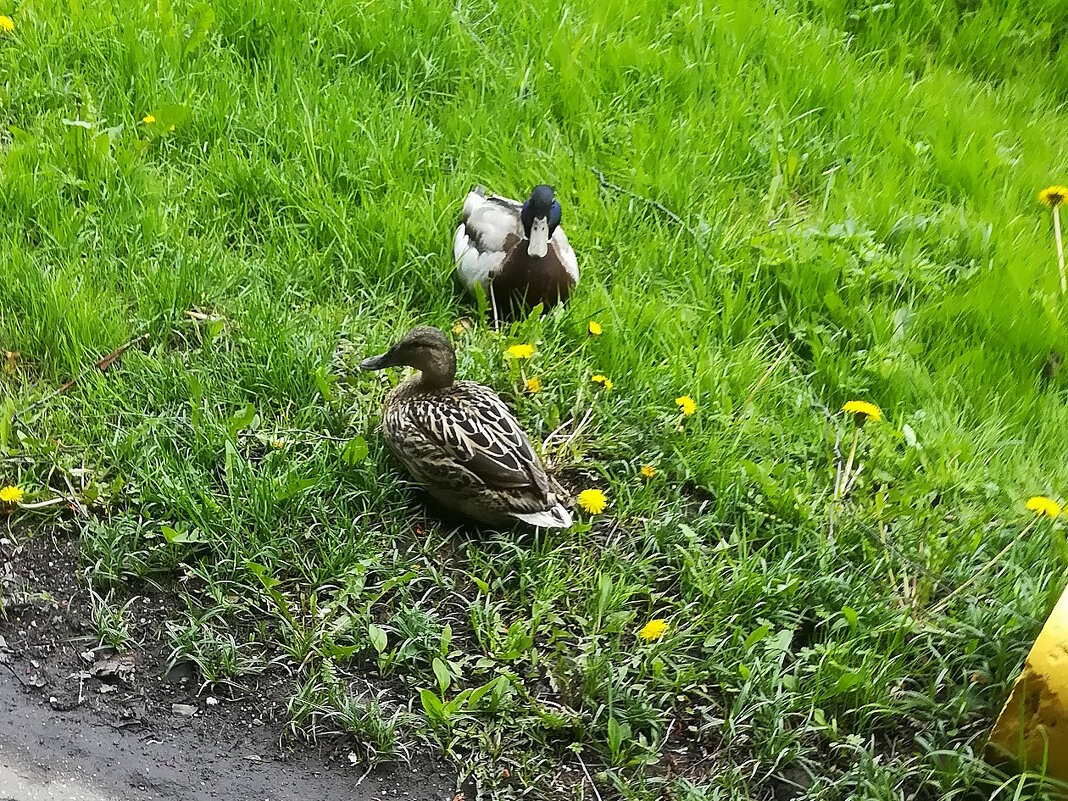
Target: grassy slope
{"points": [[308, 193]]}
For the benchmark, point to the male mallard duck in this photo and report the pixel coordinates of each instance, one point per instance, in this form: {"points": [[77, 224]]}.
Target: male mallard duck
{"points": [[516, 251], [460, 441]]}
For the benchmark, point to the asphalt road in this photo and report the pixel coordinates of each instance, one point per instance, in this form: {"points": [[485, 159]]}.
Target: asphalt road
{"points": [[76, 755]]}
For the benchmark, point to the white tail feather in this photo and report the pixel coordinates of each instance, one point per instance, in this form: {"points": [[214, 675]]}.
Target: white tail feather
{"points": [[474, 200], [460, 243], [557, 517]]}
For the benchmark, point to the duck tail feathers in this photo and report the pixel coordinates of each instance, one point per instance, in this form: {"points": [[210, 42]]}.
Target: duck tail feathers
{"points": [[557, 517], [460, 243], [475, 198]]}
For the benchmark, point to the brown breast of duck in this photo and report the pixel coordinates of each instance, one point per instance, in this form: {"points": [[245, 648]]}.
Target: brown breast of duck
{"points": [[524, 280]]}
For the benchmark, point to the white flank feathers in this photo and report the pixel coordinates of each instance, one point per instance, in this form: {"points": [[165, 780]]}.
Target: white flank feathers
{"points": [[478, 248], [557, 517]]}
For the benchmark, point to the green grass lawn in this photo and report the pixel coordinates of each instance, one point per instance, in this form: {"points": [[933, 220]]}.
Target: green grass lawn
{"points": [[857, 185]]}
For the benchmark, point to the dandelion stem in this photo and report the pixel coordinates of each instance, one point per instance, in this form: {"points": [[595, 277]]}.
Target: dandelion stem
{"points": [[843, 482], [945, 601], [1060, 247], [44, 504], [101, 364]]}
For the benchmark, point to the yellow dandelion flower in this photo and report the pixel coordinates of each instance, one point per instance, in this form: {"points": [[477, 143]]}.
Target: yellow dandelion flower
{"points": [[653, 630], [594, 328], [686, 404], [648, 471], [278, 444], [598, 379], [593, 501], [608, 385], [863, 411], [1041, 505], [520, 351], [171, 128], [11, 495], [1054, 196], [7, 25], [148, 119], [533, 385]]}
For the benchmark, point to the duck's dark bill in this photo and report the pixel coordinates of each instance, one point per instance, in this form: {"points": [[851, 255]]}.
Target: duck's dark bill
{"points": [[376, 362]]}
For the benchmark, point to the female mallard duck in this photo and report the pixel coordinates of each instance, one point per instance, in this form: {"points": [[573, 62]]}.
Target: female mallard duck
{"points": [[516, 251], [460, 441]]}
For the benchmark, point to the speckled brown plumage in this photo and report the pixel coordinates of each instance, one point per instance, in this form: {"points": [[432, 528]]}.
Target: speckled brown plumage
{"points": [[461, 442]]}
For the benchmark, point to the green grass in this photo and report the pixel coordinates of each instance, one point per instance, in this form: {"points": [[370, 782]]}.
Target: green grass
{"points": [[859, 183]]}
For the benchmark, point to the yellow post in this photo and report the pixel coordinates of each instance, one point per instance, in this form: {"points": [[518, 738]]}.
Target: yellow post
{"points": [[1032, 730]]}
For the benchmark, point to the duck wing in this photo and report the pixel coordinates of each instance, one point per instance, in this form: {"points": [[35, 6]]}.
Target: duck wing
{"points": [[474, 428], [489, 228], [565, 253]]}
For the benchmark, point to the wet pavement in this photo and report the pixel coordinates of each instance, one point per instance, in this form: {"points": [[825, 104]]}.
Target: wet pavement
{"points": [[78, 755], [19, 784]]}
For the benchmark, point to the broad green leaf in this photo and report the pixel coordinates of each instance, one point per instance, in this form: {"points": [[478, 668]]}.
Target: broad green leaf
{"points": [[479, 692], [323, 383], [910, 436], [292, 487], [340, 651], [847, 681], [618, 733], [481, 301], [501, 688], [200, 19], [7, 412], [196, 397], [263, 573], [378, 637], [101, 146], [850, 614], [782, 641], [175, 537], [442, 674], [446, 639], [456, 704], [170, 114], [432, 706], [757, 636], [242, 419], [166, 16], [355, 451]]}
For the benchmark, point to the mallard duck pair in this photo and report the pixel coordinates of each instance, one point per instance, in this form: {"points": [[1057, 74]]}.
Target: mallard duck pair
{"points": [[458, 439]]}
